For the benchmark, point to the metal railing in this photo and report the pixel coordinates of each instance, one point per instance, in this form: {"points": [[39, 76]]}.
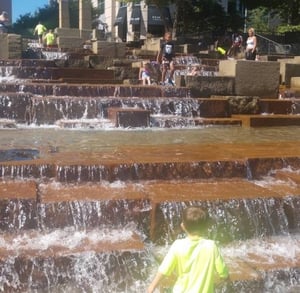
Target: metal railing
{"points": [[269, 46]]}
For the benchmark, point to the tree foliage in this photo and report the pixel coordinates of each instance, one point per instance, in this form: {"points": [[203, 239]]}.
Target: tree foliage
{"points": [[192, 17], [48, 15], [289, 10]]}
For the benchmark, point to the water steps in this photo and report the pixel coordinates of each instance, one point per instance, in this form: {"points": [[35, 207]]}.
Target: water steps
{"points": [[52, 204], [34, 251], [135, 191], [153, 162]]}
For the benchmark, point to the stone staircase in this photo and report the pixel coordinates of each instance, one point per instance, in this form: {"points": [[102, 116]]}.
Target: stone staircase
{"points": [[74, 220], [62, 207], [42, 92]]}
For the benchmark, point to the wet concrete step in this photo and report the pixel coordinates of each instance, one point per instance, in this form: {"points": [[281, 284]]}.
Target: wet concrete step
{"points": [[253, 261], [162, 191], [79, 81], [37, 260], [84, 123], [218, 121], [54, 205], [166, 162], [93, 90], [288, 175], [55, 73], [268, 120], [8, 123], [65, 242], [87, 80]]}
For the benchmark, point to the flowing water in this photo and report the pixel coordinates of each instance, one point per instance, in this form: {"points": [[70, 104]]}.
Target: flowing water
{"points": [[242, 227], [91, 140], [70, 259]]}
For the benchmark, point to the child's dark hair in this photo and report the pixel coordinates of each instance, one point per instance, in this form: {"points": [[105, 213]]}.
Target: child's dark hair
{"points": [[194, 219]]}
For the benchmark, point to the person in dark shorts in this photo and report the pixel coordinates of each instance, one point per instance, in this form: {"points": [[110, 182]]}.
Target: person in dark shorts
{"points": [[165, 57]]}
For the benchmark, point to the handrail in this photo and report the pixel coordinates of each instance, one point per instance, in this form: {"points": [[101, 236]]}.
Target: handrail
{"points": [[286, 47]]}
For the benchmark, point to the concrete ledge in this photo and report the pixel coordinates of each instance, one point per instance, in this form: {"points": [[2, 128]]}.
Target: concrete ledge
{"points": [[276, 106], [291, 70], [129, 117], [295, 82], [268, 120]]}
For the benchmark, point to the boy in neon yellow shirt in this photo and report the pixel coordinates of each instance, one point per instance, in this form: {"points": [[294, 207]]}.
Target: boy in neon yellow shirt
{"points": [[40, 29], [195, 260], [50, 39]]}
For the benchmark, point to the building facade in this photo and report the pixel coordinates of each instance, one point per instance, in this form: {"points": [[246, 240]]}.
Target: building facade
{"points": [[130, 22]]}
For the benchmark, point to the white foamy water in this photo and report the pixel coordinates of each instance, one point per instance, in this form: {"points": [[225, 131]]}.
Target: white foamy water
{"points": [[269, 249], [66, 238]]}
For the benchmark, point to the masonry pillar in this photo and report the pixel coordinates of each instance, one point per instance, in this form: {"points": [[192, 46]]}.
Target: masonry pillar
{"points": [[64, 15], [144, 22], [85, 15]]}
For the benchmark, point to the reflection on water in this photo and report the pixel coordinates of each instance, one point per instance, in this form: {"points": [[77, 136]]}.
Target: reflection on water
{"points": [[91, 140]]}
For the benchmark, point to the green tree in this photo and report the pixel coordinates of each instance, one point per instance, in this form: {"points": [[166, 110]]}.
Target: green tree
{"points": [[48, 15], [288, 10]]}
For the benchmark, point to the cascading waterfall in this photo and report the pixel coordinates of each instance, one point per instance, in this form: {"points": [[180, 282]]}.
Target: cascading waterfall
{"points": [[64, 235]]}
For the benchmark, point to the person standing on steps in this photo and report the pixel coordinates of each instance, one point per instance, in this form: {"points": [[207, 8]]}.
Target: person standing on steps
{"points": [[193, 259], [4, 22], [50, 39], [236, 46], [165, 57], [39, 30], [251, 45]]}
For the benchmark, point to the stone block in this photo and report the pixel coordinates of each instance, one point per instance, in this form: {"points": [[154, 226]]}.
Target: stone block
{"points": [[152, 44], [138, 64], [10, 46], [68, 32], [18, 198], [129, 117], [227, 67], [86, 34], [268, 120], [295, 82], [69, 42], [143, 52], [4, 53], [85, 14], [243, 105], [97, 34], [214, 107], [291, 70], [189, 48], [255, 78], [205, 86], [180, 80], [109, 49], [278, 106]]}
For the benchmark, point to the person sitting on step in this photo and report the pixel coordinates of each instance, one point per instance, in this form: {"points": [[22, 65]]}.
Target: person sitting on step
{"points": [[145, 73]]}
